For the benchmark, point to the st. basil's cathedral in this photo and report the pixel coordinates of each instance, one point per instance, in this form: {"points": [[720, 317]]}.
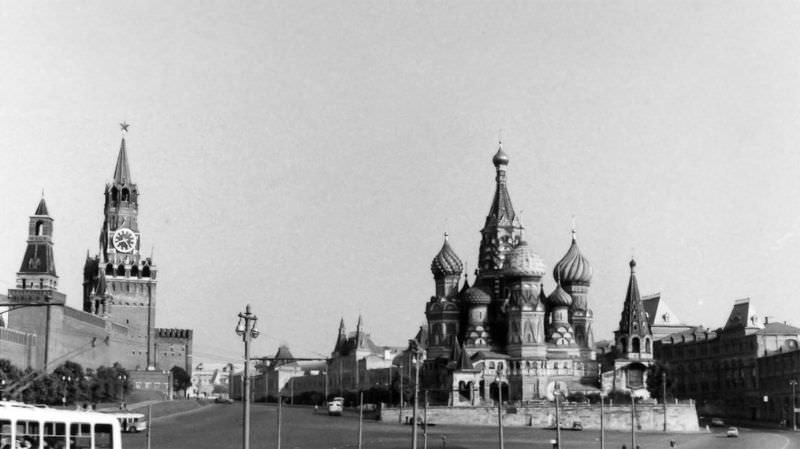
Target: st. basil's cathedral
{"points": [[505, 334]]}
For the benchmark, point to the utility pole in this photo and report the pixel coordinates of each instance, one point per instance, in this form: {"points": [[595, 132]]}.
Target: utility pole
{"points": [[360, 417], [793, 383], [500, 412], [664, 396], [556, 394], [425, 423], [401, 394], [633, 421], [602, 423], [278, 433]]}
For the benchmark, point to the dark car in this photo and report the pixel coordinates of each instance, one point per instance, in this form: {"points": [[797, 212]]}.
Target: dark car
{"points": [[577, 425], [221, 400]]}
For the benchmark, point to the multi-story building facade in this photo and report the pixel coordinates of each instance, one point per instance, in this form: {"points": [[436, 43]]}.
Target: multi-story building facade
{"points": [[723, 369]]}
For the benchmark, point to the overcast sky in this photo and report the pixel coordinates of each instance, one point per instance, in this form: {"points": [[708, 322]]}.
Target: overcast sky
{"points": [[306, 157]]}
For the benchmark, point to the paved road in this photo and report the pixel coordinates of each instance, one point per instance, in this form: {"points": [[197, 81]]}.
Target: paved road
{"points": [[219, 426]]}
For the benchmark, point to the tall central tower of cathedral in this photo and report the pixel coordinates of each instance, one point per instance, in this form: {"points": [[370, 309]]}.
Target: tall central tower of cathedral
{"points": [[120, 283]]}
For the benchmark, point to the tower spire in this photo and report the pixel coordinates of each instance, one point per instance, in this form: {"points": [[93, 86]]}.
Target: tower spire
{"points": [[122, 172]]}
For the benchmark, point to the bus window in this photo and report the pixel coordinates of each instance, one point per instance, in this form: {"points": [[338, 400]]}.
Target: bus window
{"points": [[55, 435], [28, 431], [80, 436], [5, 434], [103, 436]]}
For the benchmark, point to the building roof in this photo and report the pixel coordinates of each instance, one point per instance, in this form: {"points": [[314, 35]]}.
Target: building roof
{"points": [[573, 267], [41, 209], [484, 355], [122, 172], [522, 261], [446, 262], [501, 212], [657, 311], [744, 315], [779, 329], [633, 320]]}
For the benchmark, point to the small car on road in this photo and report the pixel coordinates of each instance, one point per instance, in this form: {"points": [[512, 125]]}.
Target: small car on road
{"points": [[732, 432], [717, 422], [335, 407]]}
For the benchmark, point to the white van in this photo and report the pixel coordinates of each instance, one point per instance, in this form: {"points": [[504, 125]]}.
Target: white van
{"points": [[335, 407]]}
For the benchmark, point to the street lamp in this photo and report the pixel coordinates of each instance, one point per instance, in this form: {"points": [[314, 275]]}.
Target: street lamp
{"points": [[64, 380], [247, 330], [122, 378], [419, 356], [793, 383]]}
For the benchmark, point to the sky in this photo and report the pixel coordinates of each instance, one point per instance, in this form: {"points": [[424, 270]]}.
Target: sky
{"points": [[306, 157]]}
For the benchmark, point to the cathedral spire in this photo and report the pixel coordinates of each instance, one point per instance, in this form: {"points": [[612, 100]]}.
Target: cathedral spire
{"points": [[501, 212]]}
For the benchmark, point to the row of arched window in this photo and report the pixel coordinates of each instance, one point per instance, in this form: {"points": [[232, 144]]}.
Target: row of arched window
{"points": [[120, 271]]}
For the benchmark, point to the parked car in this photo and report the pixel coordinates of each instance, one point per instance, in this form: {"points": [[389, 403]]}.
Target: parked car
{"points": [[577, 425], [717, 422], [732, 432], [221, 400]]}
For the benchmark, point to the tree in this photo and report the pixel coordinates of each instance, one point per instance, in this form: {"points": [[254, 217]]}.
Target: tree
{"points": [[657, 374], [180, 379]]}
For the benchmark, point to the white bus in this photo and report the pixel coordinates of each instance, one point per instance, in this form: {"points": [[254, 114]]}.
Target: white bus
{"points": [[26, 426], [130, 422]]}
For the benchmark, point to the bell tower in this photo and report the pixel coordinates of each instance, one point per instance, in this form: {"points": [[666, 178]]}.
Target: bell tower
{"points": [[120, 283]]}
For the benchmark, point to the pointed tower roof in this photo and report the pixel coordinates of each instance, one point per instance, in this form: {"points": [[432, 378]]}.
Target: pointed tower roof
{"points": [[634, 319], [41, 209], [501, 212], [341, 339], [283, 356], [122, 172]]}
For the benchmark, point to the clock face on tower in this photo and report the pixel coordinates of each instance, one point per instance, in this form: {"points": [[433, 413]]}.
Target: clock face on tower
{"points": [[124, 240]]}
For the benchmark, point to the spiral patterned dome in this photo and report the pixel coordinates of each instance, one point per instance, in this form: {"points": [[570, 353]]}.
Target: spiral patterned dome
{"points": [[522, 261], [559, 298], [573, 267], [446, 263], [475, 297]]}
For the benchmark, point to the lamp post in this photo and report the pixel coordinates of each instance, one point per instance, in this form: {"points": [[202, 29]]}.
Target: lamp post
{"points": [[64, 380], [419, 355], [401, 394], [664, 396], [556, 394], [122, 378], [603, 422], [793, 383], [247, 330]]}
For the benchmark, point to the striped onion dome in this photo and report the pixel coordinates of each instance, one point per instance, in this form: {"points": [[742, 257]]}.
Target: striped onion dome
{"points": [[559, 298], [522, 261], [446, 263], [573, 268]]}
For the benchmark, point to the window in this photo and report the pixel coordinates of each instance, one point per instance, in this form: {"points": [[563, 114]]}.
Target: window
{"points": [[28, 431], [80, 436], [103, 436], [55, 434], [5, 434]]}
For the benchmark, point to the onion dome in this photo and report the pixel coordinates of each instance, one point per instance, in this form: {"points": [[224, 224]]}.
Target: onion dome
{"points": [[446, 263], [475, 297], [522, 261], [559, 298], [500, 158], [573, 268]]}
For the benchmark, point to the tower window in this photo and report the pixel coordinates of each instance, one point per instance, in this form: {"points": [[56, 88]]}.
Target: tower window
{"points": [[110, 270], [39, 228], [126, 195]]}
